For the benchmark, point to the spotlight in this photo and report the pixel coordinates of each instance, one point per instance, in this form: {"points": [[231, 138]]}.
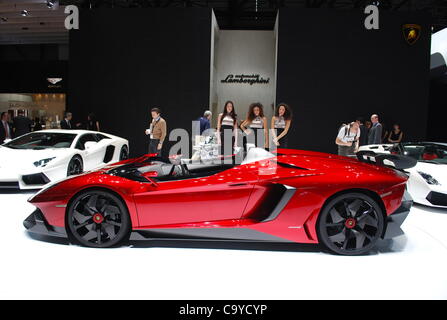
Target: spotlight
{"points": [[50, 4], [24, 13]]}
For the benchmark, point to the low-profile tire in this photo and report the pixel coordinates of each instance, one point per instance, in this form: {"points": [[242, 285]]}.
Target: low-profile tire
{"points": [[124, 153], [98, 219], [350, 224], [75, 166]]}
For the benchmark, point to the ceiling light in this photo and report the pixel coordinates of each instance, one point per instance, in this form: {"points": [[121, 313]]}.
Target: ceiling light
{"points": [[50, 3], [24, 13]]}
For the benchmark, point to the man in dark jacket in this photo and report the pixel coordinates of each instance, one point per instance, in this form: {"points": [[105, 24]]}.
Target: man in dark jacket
{"points": [[363, 140], [205, 121], [5, 128], [66, 122], [21, 124], [375, 133]]}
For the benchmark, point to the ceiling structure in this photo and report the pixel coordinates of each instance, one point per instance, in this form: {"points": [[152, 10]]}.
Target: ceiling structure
{"points": [[42, 21]]}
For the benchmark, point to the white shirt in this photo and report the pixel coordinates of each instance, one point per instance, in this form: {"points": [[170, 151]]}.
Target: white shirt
{"points": [[350, 136], [257, 123]]}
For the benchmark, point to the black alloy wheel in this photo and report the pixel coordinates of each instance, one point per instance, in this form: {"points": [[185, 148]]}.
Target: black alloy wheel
{"points": [[351, 224], [124, 153], [75, 166], [98, 219]]}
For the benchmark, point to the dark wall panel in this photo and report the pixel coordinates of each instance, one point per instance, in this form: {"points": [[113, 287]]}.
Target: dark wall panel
{"points": [[124, 62], [331, 70], [437, 111]]}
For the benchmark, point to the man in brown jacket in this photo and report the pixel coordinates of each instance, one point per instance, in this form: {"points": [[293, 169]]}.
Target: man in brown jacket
{"points": [[157, 131]]}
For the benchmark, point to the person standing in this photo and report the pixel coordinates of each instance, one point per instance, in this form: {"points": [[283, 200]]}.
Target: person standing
{"points": [[204, 121], [66, 122], [363, 140], [157, 132], [348, 139], [227, 122], [5, 128], [92, 122], [396, 135], [255, 125], [280, 125], [21, 124], [375, 133], [37, 125]]}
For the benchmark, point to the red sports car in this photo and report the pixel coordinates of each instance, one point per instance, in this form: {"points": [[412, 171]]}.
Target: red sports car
{"points": [[291, 196]]}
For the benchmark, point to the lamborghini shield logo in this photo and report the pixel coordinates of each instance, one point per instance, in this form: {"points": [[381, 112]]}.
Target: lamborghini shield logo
{"points": [[412, 32]]}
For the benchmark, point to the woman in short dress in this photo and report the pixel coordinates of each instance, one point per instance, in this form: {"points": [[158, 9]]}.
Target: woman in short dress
{"points": [[227, 121], [396, 134], [255, 126], [280, 125]]}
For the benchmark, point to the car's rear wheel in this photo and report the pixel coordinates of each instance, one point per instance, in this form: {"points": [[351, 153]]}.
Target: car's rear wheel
{"points": [[75, 166], [98, 219], [124, 153], [350, 224]]}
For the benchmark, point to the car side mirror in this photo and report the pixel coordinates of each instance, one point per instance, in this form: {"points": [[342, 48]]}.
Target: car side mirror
{"points": [[90, 144]]}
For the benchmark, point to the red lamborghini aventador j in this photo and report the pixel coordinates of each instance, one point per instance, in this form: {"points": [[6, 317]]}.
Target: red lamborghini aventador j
{"points": [[291, 196]]}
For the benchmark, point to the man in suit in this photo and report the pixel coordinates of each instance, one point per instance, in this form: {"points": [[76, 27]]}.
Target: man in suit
{"points": [[5, 128], [375, 133], [21, 124], [66, 123]]}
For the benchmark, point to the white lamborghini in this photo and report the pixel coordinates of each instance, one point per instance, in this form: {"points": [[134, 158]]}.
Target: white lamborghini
{"points": [[37, 158], [428, 179]]}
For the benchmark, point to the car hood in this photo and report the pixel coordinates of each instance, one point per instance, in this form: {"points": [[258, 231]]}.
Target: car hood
{"points": [[25, 157], [437, 171]]}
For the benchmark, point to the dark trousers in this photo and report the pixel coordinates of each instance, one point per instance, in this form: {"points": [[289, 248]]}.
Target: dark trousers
{"points": [[153, 144]]}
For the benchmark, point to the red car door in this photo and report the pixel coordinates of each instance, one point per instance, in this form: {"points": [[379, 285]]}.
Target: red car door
{"points": [[221, 196]]}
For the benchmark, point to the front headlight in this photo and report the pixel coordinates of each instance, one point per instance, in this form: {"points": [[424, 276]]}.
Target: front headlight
{"points": [[429, 178], [43, 162]]}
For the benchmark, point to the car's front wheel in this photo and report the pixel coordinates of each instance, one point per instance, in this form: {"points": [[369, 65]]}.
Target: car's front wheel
{"points": [[350, 224], [98, 219], [75, 166]]}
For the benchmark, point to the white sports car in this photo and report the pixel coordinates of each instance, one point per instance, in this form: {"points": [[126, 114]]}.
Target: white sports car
{"points": [[428, 179], [37, 158]]}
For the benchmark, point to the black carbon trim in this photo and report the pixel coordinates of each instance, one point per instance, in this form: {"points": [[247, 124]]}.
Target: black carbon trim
{"points": [[110, 150], [204, 234], [36, 223], [395, 220], [288, 194]]}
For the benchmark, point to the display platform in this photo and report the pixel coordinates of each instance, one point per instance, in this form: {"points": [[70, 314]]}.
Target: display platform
{"points": [[409, 267]]}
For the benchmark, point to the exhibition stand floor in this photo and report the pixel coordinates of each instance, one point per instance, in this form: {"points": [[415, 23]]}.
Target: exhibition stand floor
{"points": [[409, 267]]}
